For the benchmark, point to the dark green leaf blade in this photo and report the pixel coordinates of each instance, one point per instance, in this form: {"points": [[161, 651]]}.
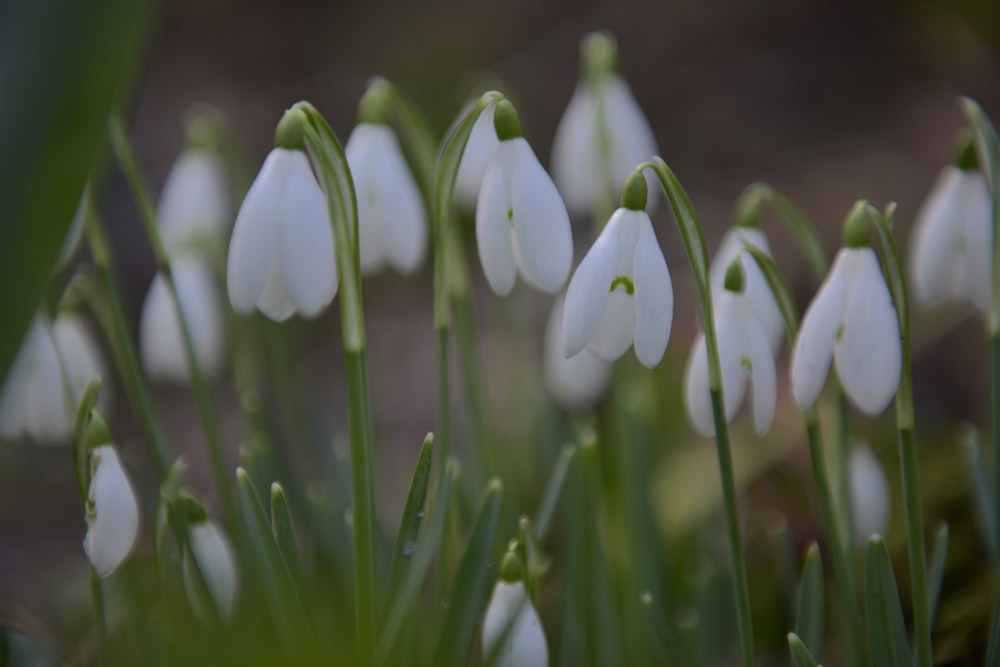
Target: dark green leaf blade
{"points": [[809, 615], [887, 638]]}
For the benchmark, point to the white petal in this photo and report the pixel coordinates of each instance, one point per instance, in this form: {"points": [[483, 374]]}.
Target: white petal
{"points": [[977, 243], [870, 498], [361, 158], [217, 563], [307, 259], [654, 296], [194, 203], [813, 349], [868, 354], [936, 240], [113, 515], [764, 305], [588, 289], [574, 153], [541, 225], [524, 645], [49, 409], [253, 248], [697, 394], [84, 361], [575, 383], [630, 135], [733, 359], [472, 168], [493, 226], [616, 328], [14, 394], [764, 380]]}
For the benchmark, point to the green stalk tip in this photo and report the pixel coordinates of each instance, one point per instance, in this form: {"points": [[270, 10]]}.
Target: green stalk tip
{"points": [[749, 206], [966, 157], [735, 277], [511, 569], [634, 192], [856, 233], [506, 121], [290, 133], [374, 105], [97, 431], [599, 53]]}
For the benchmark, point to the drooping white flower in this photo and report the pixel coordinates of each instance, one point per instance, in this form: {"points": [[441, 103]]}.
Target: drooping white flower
{"points": [[214, 557], [577, 382], [621, 293], [524, 645], [755, 286], [852, 322], [112, 512], [745, 358], [478, 149], [952, 245], [194, 207], [161, 339], [521, 222], [35, 401], [871, 501], [392, 222], [602, 136], [281, 255]]}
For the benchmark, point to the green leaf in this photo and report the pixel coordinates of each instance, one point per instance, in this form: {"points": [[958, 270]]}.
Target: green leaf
{"points": [[979, 467], [81, 452], [413, 517], [809, 616], [800, 654], [283, 530], [470, 590], [687, 220], [553, 492], [798, 224], [62, 67], [939, 558], [887, 639]]}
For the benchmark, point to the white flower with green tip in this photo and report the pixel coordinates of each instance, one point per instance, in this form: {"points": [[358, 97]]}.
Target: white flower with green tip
{"points": [[577, 382], [213, 555], [478, 150], [871, 500], [194, 206], [112, 511], [512, 630]]}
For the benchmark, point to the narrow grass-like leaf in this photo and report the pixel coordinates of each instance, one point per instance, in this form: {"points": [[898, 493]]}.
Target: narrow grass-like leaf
{"points": [[284, 536], [798, 224], [800, 654], [779, 288], [810, 612], [887, 638], [939, 559], [553, 492], [983, 488], [413, 517], [471, 587]]}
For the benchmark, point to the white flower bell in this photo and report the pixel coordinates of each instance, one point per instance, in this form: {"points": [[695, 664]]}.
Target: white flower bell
{"points": [[512, 619], [852, 322], [602, 135], [194, 207], [621, 293], [161, 339], [951, 251], [521, 222], [755, 285], [112, 508], [871, 501], [478, 150], [215, 558], [578, 382], [281, 255], [745, 357], [392, 222]]}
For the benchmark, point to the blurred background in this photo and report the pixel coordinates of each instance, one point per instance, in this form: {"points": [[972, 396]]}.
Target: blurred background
{"points": [[828, 101]]}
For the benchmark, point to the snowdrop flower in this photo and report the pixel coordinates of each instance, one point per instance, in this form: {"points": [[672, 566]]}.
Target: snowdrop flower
{"points": [[755, 286], [392, 223], [521, 222], [281, 256], [852, 322], [603, 134], [578, 382], [621, 293], [35, 401], [214, 557], [112, 508], [524, 644], [951, 250], [745, 357], [194, 207], [478, 149], [870, 498], [161, 339]]}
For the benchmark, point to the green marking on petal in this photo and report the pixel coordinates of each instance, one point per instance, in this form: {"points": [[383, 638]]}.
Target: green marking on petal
{"points": [[840, 332], [746, 364], [510, 215], [623, 280]]}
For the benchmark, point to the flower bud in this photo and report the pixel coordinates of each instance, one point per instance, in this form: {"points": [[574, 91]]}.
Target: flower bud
{"points": [[112, 509]]}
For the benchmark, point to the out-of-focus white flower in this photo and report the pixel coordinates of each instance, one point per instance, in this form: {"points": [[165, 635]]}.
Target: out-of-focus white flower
{"points": [[194, 207], [161, 339], [281, 256], [112, 512], [213, 556], [35, 401], [755, 285], [851, 321], [478, 149], [392, 222], [870, 498], [745, 357], [621, 293], [521, 221], [577, 382], [952, 246], [524, 645], [603, 135]]}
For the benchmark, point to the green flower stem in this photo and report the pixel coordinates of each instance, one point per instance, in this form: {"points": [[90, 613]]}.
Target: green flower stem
{"points": [[118, 333], [126, 159], [843, 454], [335, 176], [97, 593], [694, 245]]}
